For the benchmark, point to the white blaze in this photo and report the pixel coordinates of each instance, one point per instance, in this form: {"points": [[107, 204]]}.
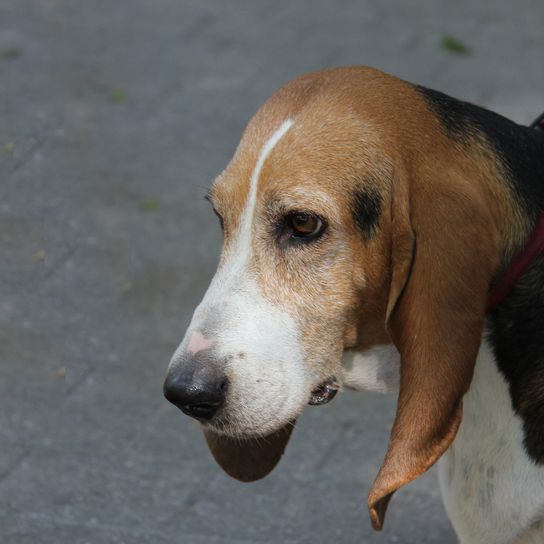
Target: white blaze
{"points": [[243, 245]]}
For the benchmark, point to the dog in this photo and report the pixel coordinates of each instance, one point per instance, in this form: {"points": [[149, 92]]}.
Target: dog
{"points": [[383, 236]]}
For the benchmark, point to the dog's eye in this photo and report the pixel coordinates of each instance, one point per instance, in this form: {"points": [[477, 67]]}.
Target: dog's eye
{"points": [[305, 225]]}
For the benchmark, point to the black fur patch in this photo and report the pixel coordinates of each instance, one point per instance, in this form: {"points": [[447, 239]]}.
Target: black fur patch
{"points": [[517, 336], [516, 330], [366, 209], [520, 149]]}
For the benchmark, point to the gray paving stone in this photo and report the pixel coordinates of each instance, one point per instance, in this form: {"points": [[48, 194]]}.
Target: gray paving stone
{"points": [[36, 530], [115, 116]]}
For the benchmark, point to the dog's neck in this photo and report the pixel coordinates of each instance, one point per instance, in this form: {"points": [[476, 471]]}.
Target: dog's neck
{"points": [[521, 264], [515, 324], [516, 335]]}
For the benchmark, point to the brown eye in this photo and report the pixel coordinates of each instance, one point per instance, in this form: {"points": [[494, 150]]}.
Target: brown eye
{"points": [[305, 225]]}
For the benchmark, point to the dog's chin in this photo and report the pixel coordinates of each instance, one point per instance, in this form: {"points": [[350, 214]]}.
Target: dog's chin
{"points": [[239, 432]]}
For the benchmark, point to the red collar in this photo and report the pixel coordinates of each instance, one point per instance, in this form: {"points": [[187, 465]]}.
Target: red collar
{"points": [[519, 265]]}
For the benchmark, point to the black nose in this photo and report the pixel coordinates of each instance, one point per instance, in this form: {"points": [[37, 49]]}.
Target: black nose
{"points": [[198, 390]]}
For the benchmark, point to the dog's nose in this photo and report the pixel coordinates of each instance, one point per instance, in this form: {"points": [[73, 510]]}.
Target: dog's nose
{"points": [[198, 390]]}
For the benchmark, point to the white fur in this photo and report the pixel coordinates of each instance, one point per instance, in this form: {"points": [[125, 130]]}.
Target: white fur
{"points": [[257, 342], [493, 492], [377, 369], [269, 384], [243, 246]]}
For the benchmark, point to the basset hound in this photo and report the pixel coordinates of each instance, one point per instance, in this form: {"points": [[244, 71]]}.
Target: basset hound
{"points": [[379, 235]]}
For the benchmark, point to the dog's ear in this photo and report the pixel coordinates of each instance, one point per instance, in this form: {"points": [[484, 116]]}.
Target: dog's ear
{"points": [[249, 459], [444, 253]]}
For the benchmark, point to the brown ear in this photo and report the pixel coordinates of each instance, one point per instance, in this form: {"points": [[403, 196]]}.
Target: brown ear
{"points": [[248, 459], [444, 253]]}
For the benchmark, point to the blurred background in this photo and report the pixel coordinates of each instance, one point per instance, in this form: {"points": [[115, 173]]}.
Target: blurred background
{"points": [[114, 118]]}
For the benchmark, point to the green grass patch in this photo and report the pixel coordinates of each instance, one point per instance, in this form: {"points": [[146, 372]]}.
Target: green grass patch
{"points": [[10, 53], [453, 45], [118, 96], [150, 205], [6, 148]]}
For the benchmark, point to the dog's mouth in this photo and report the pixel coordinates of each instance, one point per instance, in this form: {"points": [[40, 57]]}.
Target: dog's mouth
{"points": [[324, 393]]}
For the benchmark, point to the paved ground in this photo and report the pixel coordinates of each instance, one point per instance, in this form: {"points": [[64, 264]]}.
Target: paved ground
{"points": [[114, 116]]}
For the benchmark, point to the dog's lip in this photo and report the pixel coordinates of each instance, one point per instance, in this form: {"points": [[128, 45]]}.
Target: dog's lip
{"points": [[324, 392]]}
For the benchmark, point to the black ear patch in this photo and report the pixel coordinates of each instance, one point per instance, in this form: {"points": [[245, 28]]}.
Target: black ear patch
{"points": [[366, 208], [520, 149]]}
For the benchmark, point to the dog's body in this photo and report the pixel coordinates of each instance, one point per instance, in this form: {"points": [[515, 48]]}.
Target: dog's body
{"points": [[367, 222]]}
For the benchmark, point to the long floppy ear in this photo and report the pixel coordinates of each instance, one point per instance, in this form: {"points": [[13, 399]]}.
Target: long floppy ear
{"points": [[249, 459], [444, 253]]}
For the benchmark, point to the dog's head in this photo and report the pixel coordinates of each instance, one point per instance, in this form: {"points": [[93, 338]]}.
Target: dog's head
{"points": [[350, 221]]}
